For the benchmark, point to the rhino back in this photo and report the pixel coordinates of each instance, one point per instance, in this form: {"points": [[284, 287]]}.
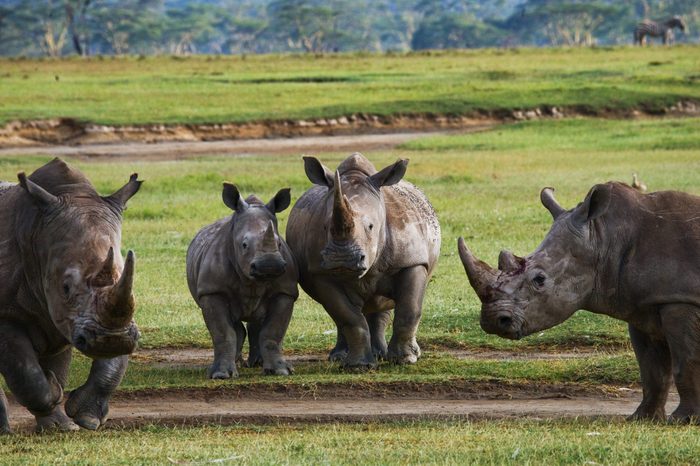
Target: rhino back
{"points": [[11, 270]]}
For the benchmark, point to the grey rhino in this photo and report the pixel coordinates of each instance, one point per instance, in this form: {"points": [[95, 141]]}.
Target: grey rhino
{"points": [[365, 242], [63, 283], [240, 270], [632, 256]]}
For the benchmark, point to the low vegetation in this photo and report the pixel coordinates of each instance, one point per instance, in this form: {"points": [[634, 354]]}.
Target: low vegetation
{"points": [[223, 89]]}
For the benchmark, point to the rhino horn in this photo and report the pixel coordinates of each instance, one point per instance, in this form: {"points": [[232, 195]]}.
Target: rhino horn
{"points": [[342, 222], [105, 276], [269, 243], [481, 275], [120, 305], [551, 204], [509, 262]]}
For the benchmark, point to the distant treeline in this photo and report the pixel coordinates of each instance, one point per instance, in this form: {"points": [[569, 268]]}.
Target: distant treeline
{"points": [[92, 27]]}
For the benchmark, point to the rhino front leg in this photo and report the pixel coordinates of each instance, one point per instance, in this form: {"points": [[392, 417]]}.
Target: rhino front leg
{"points": [[40, 392], [279, 313], [681, 325], [378, 322], [409, 289], [654, 358], [58, 364], [220, 324], [351, 323], [88, 404], [254, 354]]}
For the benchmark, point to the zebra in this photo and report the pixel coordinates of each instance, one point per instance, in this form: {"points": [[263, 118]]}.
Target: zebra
{"points": [[661, 29]]}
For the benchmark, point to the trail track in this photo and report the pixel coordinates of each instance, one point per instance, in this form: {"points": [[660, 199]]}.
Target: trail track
{"points": [[284, 402], [241, 147]]}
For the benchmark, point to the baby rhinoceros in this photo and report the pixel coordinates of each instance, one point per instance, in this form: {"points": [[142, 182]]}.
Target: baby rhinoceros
{"points": [[240, 270], [632, 256]]}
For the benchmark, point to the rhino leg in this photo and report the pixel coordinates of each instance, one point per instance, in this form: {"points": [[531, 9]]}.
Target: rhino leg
{"points": [[681, 325], [351, 323], [254, 355], [240, 339], [378, 322], [340, 350], [215, 309], [58, 364], [410, 284], [279, 313], [88, 404], [37, 390], [654, 358], [4, 418]]}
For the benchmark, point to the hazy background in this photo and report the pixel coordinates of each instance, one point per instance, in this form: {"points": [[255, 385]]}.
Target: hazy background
{"points": [[111, 27]]}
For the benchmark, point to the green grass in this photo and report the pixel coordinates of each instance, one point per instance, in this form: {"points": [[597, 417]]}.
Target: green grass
{"points": [[484, 188], [201, 89], [447, 442]]}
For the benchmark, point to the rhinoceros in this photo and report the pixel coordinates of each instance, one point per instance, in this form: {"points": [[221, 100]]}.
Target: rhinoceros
{"points": [[365, 242], [240, 270], [63, 284], [632, 256]]}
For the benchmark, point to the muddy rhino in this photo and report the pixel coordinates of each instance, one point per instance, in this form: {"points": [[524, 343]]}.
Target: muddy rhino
{"points": [[366, 242], [240, 270], [63, 284], [632, 256]]}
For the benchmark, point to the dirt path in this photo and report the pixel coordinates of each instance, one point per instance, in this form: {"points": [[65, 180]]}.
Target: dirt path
{"points": [[240, 147]]}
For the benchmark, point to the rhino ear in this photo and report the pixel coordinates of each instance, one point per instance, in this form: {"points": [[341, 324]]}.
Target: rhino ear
{"points": [[596, 204], [389, 175], [123, 194], [232, 198], [280, 201], [317, 172], [39, 194]]}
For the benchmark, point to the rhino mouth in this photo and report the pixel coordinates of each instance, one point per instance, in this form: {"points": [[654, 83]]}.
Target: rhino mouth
{"points": [[96, 341], [504, 324], [268, 269], [345, 261]]}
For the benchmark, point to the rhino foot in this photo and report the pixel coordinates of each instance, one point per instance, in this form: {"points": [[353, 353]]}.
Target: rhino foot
{"points": [[338, 354], [254, 361], [405, 354], [87, 409], [57, 421], [380, 353], [645, 414], [682, 417], [279, 368], [222, 370]]}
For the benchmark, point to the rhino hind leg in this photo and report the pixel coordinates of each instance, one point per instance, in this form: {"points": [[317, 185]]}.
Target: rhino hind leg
{"points": [[220, 323], [654, 358], [88, 405], [4, 418], [340, 350], [410, 284], [378, 322], [254, 354], [681, 325]]}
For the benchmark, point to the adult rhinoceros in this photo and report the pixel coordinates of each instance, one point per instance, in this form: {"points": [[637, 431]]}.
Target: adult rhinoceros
{"points": [[63, 284], [632, 256], [365, 243]]}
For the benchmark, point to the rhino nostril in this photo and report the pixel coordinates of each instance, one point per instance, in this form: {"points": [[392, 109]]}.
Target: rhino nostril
{"points": [[362, 258], [80, 342], [253, 266], [505, 322]]}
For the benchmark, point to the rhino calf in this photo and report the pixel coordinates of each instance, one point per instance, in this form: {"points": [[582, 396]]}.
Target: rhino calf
{"points": [[63, 284], [366, 242], [632, 256], [240, 270]]}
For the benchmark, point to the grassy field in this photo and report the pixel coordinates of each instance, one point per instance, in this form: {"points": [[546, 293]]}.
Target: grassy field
{"points": [[484, 186], [215, 89], [458, 442]]}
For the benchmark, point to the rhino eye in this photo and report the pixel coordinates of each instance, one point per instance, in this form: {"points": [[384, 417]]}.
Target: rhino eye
{"points": [[371, 226], [66, 289], [539, 280], [245, 245]]}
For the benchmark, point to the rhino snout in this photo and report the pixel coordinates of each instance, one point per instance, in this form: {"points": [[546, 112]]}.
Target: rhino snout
{"points": [[502, 324], [101, 343], [344, 259], [268, 266]]}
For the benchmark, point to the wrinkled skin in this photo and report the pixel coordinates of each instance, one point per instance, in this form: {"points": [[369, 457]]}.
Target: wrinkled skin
{"points": [[365, 242], [632, 256], [63, 284], [240, 270]]}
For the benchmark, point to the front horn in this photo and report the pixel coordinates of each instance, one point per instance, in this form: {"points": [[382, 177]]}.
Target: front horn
{"points": [[481, 275]]}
